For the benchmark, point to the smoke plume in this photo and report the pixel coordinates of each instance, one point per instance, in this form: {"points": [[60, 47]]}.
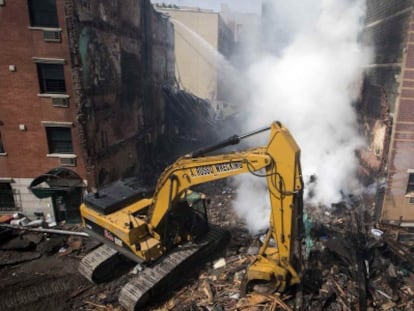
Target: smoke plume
{"points": [[308, 81]]}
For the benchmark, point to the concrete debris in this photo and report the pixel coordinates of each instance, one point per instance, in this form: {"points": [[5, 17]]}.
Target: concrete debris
{"points": [[24, 221], [219, 263], [376, 233]]}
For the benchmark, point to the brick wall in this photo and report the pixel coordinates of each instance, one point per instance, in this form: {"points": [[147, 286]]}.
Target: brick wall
{"points": [[20, 103]]}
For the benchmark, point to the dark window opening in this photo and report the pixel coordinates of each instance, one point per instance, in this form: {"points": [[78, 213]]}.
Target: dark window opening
{"points": [[43, 13], [410, 185], [59, 139], [6, 197], [51, 78], [1, 145]]}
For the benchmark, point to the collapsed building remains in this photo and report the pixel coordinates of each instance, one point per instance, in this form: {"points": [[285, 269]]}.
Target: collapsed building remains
{"points": [[387, 108]]}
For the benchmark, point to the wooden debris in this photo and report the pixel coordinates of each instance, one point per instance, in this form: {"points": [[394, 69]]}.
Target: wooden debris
{"points": [[388, 306], [279, 302], [347, 269], [209, 293], [256, 300], [78, 291], [400, 250], [95, 305]]}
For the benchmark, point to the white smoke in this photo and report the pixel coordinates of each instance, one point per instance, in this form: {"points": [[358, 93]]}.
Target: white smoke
{"points": [[309, 85]]}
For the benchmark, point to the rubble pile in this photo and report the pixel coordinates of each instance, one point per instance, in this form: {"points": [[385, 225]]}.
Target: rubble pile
{"points": [[22, 239], [355, 263], [350, 263], [38, 267]]}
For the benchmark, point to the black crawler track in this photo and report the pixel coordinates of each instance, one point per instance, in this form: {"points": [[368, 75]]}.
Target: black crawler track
{"points": [[159, 277]]}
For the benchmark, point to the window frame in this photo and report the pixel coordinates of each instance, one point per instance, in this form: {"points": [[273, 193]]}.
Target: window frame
{"points": [[44, 15], [9, 194], [63, 141], [48, 83], [410, 184]]}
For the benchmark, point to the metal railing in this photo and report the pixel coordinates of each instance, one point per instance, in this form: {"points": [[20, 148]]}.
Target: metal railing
{"points": [[10, 200]]}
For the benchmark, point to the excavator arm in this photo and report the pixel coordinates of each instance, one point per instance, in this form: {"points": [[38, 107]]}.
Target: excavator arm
{"points": [[168, 231], [280, 161], [189, 172]]}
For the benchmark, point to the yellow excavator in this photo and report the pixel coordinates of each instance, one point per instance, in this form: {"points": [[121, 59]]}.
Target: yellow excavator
{"points": [[167, 230]]}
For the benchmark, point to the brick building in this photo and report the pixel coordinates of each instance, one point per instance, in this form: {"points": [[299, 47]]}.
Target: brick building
{"points": [[81, 100]]}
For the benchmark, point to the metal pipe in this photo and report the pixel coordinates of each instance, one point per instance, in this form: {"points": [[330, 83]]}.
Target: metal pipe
{"points": [[44, 230], [258, 131], [232, 140]]}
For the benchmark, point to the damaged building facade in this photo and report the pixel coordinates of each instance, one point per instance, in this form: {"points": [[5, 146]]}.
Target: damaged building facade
{"points": [[203, 43], [387, 108], [85, 86]]}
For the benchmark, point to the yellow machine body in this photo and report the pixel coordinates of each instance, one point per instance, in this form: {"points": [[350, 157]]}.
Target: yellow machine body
{"points": [[145, 228]]}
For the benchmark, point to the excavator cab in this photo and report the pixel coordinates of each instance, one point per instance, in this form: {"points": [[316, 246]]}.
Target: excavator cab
{"points": [[186, 220]]}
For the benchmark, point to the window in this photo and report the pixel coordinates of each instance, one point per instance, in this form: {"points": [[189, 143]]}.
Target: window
{"points": [[410, 184], [43, 13], [6, 197], [51, 78], [59, 139]]}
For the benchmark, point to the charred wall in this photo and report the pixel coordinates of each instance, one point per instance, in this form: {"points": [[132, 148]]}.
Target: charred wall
{"points": [[383, 108], [121, 56], [386, 32]]}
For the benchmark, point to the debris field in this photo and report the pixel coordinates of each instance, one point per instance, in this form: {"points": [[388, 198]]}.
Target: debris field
{"points": [[350, 263]]}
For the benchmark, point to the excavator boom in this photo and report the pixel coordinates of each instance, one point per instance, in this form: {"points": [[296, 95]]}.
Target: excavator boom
{"points": [[149, 229]]}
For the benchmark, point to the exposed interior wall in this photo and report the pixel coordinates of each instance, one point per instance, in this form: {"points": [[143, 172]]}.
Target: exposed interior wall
{"points": [[386, 87], [196, 40], [399, 204]]}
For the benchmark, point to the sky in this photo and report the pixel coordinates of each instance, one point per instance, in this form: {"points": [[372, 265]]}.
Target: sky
{"points": [[244, 6]]}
